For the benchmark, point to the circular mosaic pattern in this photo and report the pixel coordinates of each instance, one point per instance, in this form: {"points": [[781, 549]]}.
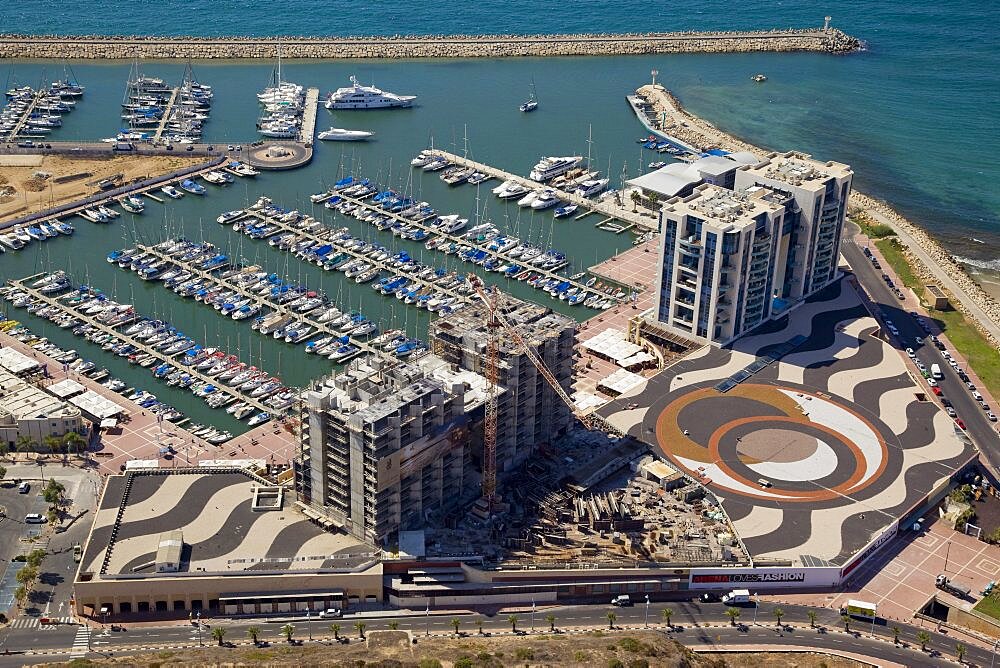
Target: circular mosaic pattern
{"points": [[772, 442]]}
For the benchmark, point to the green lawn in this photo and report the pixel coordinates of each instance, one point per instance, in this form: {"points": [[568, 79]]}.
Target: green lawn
{"points": [[988, 606], [982, 357]]}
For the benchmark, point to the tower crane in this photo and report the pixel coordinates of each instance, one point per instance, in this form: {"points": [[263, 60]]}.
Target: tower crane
{"points": [[496, 320]]}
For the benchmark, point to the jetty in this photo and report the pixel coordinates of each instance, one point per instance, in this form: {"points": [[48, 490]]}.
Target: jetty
{"points": [[308, 129], [22, 284], [167, 114], [224, 283], [822, 39], [18, 129]]}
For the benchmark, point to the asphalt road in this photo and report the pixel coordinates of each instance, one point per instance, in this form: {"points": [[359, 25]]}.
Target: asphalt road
{"points": [[982, 432], [695, 624]]}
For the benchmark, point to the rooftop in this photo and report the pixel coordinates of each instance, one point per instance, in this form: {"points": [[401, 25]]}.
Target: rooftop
{"points": [[535, 323], [720, 205], [223, 526], [25, 401], [798, 169]]}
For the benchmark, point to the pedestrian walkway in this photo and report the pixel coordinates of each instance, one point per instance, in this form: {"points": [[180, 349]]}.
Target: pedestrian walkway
{"points": [[33, 622], [81, 643]]}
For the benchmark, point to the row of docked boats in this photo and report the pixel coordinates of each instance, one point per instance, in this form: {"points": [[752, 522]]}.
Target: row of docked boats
{"points": [[32, 114], [219, 378], [21, 236], [151, 104], [283, 105]]}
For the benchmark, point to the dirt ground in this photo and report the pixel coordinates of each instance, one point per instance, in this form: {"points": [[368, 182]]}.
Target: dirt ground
{"points": [[393, 649], [21, 192]]}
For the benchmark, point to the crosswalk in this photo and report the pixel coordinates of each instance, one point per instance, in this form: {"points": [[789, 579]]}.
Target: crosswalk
{"points": [[81, 643], [32, 622]]}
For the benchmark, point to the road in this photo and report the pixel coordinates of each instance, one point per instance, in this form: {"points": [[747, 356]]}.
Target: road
{"points": [[695, 624], [982, 432]]}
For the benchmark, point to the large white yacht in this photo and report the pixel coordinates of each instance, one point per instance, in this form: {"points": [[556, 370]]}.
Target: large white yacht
{"points": [[340, 134], [549, 168], [357, 96]]}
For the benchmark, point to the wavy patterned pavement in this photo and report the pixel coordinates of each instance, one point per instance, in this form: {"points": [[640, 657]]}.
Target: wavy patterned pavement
{"points": [[854, 397]]}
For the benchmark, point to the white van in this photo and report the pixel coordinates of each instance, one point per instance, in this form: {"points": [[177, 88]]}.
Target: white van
{"points": [[34, 518], [936, 371]]}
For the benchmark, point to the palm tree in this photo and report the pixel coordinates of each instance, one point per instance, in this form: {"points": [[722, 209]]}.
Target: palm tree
{"points": [[847, 622], [360, 626], [479, 626], [812, 618], [513, 622], [335, 629], [923, 638], [219, 633], [778, 614], [734, 614], [895, 635], [74, 442], [667, 613], [287, 630], [52, 443], [636, 197], [393, 626], [960, 651], [253, 632], [612, 618], [551, 619], [24, 444], [455, 622]]}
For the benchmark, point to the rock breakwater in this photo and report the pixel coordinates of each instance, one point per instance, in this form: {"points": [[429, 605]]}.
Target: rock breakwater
{"points": [[429, 46]]}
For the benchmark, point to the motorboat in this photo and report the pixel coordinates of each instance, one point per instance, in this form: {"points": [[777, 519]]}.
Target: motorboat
{"points": [[172, 192], [545, 200], [566, 210], [550, 167], [591, 187], [357, 96], [192, 187], [340, 134]]}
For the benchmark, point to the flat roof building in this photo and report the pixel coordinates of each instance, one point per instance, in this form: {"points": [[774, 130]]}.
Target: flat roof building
{"points": [[731, 258], [29, 411]]}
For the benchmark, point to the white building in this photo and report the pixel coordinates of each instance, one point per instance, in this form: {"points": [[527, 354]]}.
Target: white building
{"points": [[26, 410]]}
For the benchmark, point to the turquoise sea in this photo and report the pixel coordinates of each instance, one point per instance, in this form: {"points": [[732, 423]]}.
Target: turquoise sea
{"points": [[915, 115]]}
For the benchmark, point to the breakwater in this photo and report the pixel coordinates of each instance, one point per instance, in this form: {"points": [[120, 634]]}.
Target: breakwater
{"points": [[430, 46]]}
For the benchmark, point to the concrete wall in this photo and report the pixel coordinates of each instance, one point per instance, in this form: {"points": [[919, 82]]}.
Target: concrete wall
{"points": [[430, 46]]}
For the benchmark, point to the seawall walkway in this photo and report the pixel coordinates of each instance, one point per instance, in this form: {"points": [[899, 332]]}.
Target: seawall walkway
{"points": [[827, 40]]}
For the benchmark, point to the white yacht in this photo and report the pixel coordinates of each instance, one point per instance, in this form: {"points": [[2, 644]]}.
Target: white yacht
{"points": [[549, 168], [357, 96], [340, 134], [591, 187]]}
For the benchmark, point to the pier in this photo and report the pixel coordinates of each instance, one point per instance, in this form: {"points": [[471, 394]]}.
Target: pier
{"points": [[318, 328], [606, 208], [166, 115], [15, 133], [53, 301], [308, 129]]}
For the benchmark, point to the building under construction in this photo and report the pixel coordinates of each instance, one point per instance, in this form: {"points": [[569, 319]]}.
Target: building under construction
{"points": [[530, 413], [385, 445]]}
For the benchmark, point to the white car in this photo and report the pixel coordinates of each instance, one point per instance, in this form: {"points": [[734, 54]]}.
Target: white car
{"points": [[910, 353], [330, 613], [932, 382], [991, 417]]}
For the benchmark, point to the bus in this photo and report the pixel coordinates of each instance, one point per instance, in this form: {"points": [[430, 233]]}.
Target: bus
{"points": [[859, 609]]}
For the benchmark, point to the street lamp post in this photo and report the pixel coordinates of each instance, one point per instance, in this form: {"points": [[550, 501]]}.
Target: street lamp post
{"points": [[646, 622], [309, 627], [756, 603], [199, 628], [427, 619], [532, 615], [654, 73]]}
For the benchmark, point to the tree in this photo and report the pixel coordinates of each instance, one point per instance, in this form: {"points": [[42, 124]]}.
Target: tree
{"points": [[53, 443], [812, 618], [993, 537], [24, 444], [895, 635], [335, 629], [3, 472], [21, 594], [479, 626], [734, 614], [551, 619], [847, 622], [74, 442], [360, 626], [53, 492], [960, 651], [778, 614], [393, 626], [219, 633], [513, 622], [35, 558], [923, 637], [667, 613], [612, 618], [287, 630], [4, 449], [253, 632], [455, 623], [636, 197]]}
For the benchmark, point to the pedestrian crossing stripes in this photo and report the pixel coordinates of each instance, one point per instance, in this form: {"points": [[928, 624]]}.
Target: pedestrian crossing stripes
{"points": [[33, 622], [81, 643]]}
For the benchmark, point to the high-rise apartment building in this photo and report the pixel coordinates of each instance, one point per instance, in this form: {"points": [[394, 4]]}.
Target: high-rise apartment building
{"points": [[731, 259]]}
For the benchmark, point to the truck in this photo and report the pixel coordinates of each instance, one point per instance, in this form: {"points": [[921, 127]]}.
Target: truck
{"points": [[944, 583], [859, 609], [936, 372], [123, 146], [736, 596]]}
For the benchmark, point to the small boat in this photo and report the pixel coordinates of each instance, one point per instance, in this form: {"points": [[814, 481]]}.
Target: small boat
{"points": [[567, 210], [172, 192], [192, 187], [532, 102], [759, 78], [340, 134]]}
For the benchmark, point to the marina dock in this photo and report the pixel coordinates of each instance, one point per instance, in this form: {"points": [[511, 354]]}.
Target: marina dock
{"points": [[318, 328], [166, 116], [23, 284], [19, 128], [420, 222], [308, 130], [607, 208]]}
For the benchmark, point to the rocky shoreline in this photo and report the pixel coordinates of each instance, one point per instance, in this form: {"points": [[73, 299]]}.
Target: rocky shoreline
{"points": [[425, 46], [701, 133]]}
